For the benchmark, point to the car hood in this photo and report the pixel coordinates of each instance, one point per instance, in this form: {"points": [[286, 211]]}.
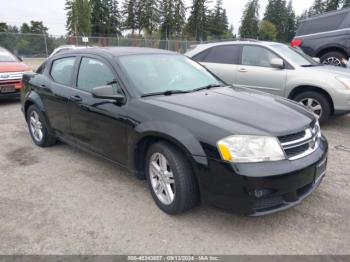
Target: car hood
{"points": [[239, 111], [335, 70], [6, 67]]}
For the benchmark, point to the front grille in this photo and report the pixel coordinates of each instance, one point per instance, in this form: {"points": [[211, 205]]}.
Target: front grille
{"points": [[268, 203], [11, 76], [302, 143]]}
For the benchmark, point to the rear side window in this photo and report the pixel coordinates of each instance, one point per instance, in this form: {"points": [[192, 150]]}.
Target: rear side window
{"points": [[226, 54], [322, 24], [93, 73], [257, 56], [62, 69]]}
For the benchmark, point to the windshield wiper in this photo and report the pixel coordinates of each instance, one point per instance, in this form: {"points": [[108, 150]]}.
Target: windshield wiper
{"points": [[312, 65], [166, 93], [207, 87]]}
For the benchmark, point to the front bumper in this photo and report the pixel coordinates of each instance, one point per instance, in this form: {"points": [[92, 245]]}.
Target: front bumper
{"points": [[262, 188], [16, 95]]}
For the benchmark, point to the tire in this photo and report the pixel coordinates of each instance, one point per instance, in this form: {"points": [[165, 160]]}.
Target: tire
{"points": [[318, 98], [185, 187], [45, 139], [333, 58]]}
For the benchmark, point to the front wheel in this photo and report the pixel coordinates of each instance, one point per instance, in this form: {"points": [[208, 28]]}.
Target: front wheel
{"points": [[170, 179], [317, 103]]}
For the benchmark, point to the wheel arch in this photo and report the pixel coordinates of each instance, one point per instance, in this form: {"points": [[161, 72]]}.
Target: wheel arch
{"points": [[306, 88], [143, 143], [328, 49]]}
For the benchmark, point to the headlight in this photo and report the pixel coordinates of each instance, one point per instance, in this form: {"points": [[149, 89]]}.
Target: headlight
{"points": [[248, 149], [345, 81]]}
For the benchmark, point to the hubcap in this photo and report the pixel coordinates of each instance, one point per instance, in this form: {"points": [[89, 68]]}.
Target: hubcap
{"points": [[312, 104], [162, 178], [332, 61], [36, 126]]}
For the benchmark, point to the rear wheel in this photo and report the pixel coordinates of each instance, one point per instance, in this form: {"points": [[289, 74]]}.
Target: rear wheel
{"points": [[333, 58], [38, 128], [316, 102], [170, 179]]}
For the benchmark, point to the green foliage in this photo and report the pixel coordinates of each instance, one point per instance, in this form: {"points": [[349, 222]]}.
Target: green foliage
{"points": [[78, 17], [129, 14], [332, 5], [250, 20], [267, 31], [198, 20], [218, 22], [346, 3]]}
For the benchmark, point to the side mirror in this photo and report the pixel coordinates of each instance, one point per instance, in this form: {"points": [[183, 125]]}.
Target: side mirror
{"points": [[277, 63], [317, 60], [107, 92]]}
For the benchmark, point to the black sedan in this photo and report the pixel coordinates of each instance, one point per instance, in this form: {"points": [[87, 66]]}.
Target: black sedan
{"points": [[170, 121]]}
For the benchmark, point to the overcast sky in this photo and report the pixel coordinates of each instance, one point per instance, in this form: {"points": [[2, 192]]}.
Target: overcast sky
{"points": [[52, 13]]}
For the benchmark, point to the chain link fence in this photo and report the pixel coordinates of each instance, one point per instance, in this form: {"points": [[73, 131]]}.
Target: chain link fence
{"points": [[41, 45]]}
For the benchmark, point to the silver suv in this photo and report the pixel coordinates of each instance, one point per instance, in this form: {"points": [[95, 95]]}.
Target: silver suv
{"points": [[280, 70]]}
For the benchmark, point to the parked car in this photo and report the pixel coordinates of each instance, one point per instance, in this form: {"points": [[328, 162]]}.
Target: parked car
{"points": [[280, 70], [167, 119], [11, 71], [326, 36], [64, 48]]}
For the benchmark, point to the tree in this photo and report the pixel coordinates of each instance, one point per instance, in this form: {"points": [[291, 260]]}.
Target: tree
{"points": [[129, 14], [291, 22], [78, 17], [332, 5], [250, 20], [179, 16], [148, 15], [346, 3], [318, 7], [114, 20], [167, 24], [267, 31], [218, 22], [197, 22], [277, 13]]}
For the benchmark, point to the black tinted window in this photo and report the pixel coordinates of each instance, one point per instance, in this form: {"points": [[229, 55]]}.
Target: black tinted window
{"points": [[323, 24], [201, 56], [257, 56], [93, 73], [62, 69], [225, 54]]}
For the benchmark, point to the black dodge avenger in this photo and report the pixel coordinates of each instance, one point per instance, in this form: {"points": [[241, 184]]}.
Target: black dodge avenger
{"points": [[170, 121]]}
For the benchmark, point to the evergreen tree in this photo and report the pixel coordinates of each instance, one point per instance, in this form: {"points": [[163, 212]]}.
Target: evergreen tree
{"points": [[129, 14], [100, 17], [250, 20], [277, 13], [218, 22], [114, 20], [167, 26], [291, 22], [318, 7], [267, 31], [78, 17], [148, 15], [197, 22], [346, 3], [179, 16], [332, 5]]}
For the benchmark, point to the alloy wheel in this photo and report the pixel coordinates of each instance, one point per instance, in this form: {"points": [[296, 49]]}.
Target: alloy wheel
{"points": [[162, 178], [36, 126], [332, 61], [314, 105]]}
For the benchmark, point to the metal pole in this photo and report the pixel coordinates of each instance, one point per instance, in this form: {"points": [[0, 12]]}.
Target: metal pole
{"points": [[46, 49]]}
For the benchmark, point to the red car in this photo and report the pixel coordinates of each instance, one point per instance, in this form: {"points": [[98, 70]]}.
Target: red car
{"points": [[11, 71]]}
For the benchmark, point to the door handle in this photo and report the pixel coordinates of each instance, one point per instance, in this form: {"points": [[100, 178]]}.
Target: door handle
{"points": [[242, 70], [76, 98]]}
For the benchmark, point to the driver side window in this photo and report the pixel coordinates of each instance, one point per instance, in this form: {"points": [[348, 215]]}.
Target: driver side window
{"points": [[257, 56], [94, 73]]}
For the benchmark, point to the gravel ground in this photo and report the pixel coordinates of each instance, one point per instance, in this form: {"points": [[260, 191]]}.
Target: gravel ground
{"points": [[63, 201]]}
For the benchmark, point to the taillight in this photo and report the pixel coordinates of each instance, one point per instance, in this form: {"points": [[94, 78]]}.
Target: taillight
{"points": [[296, 43]]}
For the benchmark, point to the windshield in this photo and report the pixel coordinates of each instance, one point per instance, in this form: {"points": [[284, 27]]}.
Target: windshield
{"points": [[298, 57], [157, 73], [6, 56]]}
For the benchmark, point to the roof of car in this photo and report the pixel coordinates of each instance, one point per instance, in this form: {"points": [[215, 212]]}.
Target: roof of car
{"points": [[119, 51]]}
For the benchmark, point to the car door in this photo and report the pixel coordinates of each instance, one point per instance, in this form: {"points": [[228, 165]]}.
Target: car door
{"points": [[222, 60], [98, 124], [55, 89], [255, 70]]}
